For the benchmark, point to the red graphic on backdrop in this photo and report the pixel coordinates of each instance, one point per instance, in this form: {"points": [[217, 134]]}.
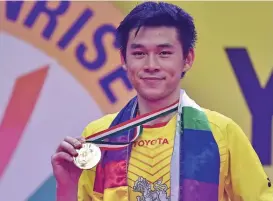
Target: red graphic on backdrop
{"points": [[23, 99]]}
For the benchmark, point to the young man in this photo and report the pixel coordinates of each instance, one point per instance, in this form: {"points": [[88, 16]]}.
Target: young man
{"points": [[189, 153]]}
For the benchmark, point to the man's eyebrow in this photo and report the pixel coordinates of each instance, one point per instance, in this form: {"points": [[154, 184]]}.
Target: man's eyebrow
{"points": [[136, 45], [163, 45]]}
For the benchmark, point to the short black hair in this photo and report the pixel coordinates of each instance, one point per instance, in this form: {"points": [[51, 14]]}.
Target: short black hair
{"points": [[154, 14]]}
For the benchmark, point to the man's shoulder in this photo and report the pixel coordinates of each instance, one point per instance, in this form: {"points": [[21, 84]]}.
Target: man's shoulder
{"points": [[218, 119], [224, 127], [99, 124]]}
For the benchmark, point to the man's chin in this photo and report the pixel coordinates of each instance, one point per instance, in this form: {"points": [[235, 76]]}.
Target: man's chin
{"points": [[152, 95]]}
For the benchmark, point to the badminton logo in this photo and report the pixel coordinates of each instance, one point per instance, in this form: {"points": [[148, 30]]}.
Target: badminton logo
{"points": [[61, 70]]}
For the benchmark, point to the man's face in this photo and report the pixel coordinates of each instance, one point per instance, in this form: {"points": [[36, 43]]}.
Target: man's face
{"points": [[154, 62]]}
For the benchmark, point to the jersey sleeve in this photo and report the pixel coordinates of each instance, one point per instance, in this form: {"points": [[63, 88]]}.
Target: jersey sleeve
{"points": [[248, 178], [86, 181]]}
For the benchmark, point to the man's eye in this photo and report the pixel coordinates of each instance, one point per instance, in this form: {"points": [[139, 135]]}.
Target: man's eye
{"points": [[138, 53], [165, 52]]}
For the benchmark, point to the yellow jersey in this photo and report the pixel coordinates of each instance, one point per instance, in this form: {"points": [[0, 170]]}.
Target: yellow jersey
{"points": [[242, 177]]}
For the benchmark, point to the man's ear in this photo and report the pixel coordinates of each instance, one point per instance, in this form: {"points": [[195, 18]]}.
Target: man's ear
{"points": [[122, 61], [189, 60]]}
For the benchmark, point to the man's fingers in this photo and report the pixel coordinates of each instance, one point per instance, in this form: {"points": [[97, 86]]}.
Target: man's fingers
{"points": [[81, 139], [75, 142], [68, 148], [60, 156]]}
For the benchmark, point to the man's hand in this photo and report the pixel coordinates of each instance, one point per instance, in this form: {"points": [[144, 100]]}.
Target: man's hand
{"points": [[66, 173]]}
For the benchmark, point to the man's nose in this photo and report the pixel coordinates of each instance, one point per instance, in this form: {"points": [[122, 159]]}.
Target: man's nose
{"points": [[152, 63]]}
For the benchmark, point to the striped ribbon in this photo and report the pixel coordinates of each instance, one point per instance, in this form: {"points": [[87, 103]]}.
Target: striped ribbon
{"points": [[137, 122]]}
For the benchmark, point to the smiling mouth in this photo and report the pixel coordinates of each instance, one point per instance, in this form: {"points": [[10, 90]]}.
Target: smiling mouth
{"points": [[152, 78]]}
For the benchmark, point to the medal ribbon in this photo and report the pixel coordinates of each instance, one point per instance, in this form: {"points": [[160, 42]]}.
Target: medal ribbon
{"points": [[137, 122]]}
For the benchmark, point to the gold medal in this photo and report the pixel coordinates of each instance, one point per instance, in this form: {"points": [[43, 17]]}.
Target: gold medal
{"points": [[88, 156]]}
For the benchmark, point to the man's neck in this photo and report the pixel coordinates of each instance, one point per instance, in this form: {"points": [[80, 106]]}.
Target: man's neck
{"points": [[146, 106]]}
